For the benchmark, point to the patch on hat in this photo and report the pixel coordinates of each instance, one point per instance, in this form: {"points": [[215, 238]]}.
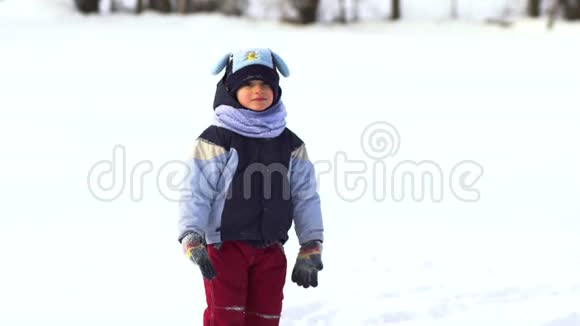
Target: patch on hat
{"points": [[251, 56], [245, 58]]}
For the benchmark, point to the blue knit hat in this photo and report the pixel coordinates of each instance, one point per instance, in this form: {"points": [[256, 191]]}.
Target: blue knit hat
{"points": [[250, 64]]}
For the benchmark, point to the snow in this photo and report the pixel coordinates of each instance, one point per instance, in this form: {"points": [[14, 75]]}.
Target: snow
{"points": [[74, 87]]}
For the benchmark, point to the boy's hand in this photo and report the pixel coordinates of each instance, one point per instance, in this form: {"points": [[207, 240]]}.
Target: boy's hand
{"points": [[195, 250], [308, 263]]}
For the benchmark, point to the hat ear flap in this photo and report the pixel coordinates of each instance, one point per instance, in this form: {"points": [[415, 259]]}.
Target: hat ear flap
{"points": [[281, 65], [221, 64]]}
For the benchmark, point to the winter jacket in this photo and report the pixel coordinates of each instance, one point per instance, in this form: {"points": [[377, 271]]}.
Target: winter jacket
{"points": [[243, 188]]}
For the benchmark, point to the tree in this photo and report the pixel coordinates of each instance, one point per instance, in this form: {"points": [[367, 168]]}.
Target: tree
{"points": [[341, 12], [395, 9], [343, 15], [160, 5], [182, 6], [569, 8], [454, 11], [534, 8], [355, 11], [232, 7], [139, 7], [227, 7], [87, 6], [307, 10]]}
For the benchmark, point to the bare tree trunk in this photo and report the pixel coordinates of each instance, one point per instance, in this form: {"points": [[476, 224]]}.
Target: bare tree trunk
{"points": [[307, 10], [355, 11], [341, 12], [571, 9], [534, 8], [87, 6], [232, 7], [182, 6], [395, 9], [553, 12], [139, 7], [454, 13], [202, 5], [160, 5]]}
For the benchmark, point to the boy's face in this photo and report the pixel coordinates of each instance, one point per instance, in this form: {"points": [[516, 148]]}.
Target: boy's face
{"points": [[255, 95]]}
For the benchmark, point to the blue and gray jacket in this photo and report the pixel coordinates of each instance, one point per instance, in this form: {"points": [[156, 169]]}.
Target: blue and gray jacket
{"points": [[243, 188]]}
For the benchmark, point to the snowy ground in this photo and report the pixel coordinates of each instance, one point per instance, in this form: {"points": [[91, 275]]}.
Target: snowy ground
{"points": [[73, 87]]}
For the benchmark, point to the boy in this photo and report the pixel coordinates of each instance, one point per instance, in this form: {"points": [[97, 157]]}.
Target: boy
{"points": [[250, 178]]}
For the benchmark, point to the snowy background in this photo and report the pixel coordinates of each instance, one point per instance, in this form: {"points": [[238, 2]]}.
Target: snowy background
{"points": [[73, 87]]}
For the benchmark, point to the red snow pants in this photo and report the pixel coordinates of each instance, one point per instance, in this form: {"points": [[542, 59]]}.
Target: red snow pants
{"points": [[248, 289]]}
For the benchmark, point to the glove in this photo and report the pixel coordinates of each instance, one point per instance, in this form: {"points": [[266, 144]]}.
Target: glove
{"points": [[195, 250], [308, 263]]}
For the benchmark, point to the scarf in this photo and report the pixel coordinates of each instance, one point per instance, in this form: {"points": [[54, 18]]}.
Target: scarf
{"points": [[265, 124]]}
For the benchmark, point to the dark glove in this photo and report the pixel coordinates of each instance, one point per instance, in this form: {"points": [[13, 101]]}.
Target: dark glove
{"points": [[308, 263], [195, 250]]}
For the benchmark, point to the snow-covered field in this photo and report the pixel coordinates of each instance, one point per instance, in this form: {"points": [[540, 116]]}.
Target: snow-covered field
{"points": [[73, 87]]}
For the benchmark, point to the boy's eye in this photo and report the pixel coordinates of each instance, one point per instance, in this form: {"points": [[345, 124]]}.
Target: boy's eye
{"points": [[253, 83]]}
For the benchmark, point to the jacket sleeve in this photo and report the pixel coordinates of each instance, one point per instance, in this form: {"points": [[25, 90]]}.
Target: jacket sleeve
{"points": [[200, 187], [305, 199]]}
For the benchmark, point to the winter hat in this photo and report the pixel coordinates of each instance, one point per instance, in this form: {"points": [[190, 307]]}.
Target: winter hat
{"points": [[250, 64]]}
